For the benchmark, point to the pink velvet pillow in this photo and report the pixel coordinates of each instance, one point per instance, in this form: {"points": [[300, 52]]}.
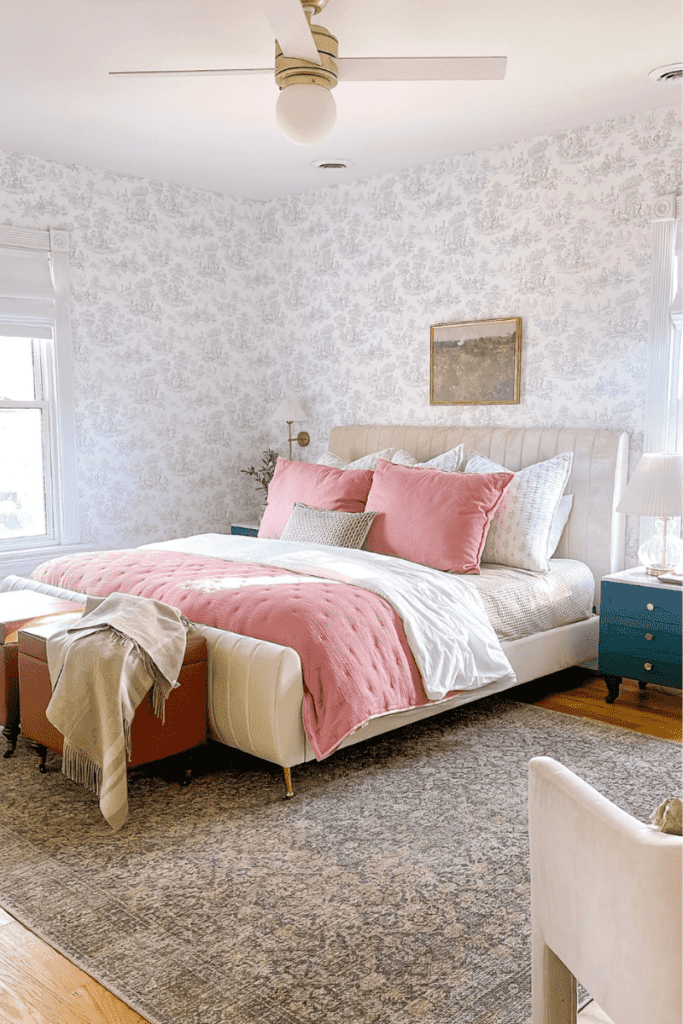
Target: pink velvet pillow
{"points": [[435, 518], [344, 490]]}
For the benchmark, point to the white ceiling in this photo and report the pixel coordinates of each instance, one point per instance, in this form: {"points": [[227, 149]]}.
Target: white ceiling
{"points": [[569, 63]]}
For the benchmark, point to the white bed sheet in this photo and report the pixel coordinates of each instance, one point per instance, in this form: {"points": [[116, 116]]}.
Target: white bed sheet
{"points": [[444, 619]]}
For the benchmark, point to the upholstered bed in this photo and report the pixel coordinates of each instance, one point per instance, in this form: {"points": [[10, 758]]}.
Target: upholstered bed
{"points": [[256, 688]]}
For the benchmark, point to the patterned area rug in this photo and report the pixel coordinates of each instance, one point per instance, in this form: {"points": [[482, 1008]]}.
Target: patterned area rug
{"points": [[394, 889]]}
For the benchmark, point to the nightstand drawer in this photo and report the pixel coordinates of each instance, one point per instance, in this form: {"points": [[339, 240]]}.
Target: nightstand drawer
{"points": [[631, 666], [641, 605], [650, 641]]}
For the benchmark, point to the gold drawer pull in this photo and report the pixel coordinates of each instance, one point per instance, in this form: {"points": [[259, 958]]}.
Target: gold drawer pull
{"points": [[647, 666], [648, 636], [650, 607]]}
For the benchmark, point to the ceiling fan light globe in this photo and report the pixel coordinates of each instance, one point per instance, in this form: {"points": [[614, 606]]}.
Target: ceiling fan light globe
{"points": [[305, 114]]}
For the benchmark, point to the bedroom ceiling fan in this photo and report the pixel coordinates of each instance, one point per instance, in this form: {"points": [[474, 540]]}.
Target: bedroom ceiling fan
{"points": [[307, 68]]}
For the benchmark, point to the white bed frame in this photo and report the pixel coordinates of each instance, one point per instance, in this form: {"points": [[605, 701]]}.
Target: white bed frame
{"points": [[255, 688]]}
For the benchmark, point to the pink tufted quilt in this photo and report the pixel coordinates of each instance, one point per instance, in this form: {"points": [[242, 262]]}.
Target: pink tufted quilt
{"points": [[354, 654]]}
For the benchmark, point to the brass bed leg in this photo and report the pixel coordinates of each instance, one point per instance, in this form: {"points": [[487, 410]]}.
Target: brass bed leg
{"points": [[289, 792]]}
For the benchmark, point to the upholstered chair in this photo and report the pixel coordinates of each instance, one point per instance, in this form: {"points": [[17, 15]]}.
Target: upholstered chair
{"points": [[605, 904]]}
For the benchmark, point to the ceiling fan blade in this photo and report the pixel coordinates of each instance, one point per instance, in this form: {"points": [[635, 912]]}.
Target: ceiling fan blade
{"points": [[197, 72], [420, 69], [290, 28]]}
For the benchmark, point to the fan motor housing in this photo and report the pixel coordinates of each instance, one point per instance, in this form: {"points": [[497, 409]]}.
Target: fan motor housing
{"points": [[296, 71]]}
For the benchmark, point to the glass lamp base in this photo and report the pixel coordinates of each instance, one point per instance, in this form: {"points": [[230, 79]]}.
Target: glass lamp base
{"points": [[662, 552]]}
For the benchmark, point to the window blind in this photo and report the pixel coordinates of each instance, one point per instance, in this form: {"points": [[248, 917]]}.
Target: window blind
{"points": [[26, 288]]}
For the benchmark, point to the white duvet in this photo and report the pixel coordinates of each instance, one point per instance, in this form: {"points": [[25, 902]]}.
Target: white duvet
{"points": [[445, 622]]}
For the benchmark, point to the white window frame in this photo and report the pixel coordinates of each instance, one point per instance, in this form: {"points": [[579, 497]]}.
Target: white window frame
{"points": [[56, 366]]}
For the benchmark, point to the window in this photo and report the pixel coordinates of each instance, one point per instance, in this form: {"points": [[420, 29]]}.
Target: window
{"points": [[37, 471], [27, 437], [663, 426], [677, 323], [662, 408]]}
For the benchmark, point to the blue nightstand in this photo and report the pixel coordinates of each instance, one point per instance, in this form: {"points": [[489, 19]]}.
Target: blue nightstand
{"points": [[244, 529], [640, 631]]}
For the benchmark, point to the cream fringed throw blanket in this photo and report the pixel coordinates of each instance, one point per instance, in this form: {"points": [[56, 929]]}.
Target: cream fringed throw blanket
{"points": [[101, 667]]}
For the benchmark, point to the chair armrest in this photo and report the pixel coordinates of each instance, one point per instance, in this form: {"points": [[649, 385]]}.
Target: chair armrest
{"points": [[606, 896]]}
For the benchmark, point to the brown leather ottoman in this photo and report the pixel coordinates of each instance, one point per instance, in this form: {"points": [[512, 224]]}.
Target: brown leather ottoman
{"points": [[185, 722], [18, 608]]}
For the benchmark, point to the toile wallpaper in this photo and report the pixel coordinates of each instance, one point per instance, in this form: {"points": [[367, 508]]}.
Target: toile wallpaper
{"points": [[162, 325], [193, 311]]}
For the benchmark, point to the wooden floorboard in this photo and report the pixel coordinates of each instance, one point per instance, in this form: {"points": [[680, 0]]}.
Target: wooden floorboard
{"points": [[40, 986], [655, 711]]}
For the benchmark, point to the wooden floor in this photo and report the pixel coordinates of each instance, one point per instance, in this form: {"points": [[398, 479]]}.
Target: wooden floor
{"points": [[656, 710], [39, 986]]}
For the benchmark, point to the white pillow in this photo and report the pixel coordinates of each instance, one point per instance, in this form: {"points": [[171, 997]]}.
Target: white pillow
{"points": [[559, 522], [365, 461], [452, 461], [520, 530]]}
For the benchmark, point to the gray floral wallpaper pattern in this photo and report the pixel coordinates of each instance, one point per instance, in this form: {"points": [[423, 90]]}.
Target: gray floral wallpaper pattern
{"points": [[193, 311], [162, 326]]}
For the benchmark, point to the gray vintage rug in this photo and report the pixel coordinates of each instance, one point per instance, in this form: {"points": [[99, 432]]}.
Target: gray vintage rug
{"points": [[394, 889]]}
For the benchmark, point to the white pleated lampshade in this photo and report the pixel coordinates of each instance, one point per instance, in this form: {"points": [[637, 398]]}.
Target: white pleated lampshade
{"points": [[290, 410], [656, 487]]}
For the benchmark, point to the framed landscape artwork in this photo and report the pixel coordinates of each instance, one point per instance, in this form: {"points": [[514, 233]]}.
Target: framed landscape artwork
{"points": [[477, 362]]}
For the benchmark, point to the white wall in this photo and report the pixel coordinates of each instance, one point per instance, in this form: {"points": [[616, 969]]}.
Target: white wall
{"points": [[193, 311]]}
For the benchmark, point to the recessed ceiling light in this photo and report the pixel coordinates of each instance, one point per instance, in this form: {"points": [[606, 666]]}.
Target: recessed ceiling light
{"points": [[667, 73], [332, 164]]}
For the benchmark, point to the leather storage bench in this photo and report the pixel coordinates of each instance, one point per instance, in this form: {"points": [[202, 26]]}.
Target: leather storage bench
{"points": [[185, 725], [18, 609]]}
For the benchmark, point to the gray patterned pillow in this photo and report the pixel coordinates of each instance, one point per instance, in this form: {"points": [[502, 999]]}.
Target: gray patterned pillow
{"points": [[327, 526], [520, 530]]}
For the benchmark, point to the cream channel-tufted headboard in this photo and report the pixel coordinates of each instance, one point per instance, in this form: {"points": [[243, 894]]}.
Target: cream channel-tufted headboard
{"points": [[595, 532]]}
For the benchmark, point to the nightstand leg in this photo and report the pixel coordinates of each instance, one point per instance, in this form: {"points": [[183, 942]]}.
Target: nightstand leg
{"points": [[642, 684], [613, 684]]}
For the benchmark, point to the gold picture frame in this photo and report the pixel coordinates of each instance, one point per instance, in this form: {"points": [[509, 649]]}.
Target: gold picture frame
{"points": [[476, 362]]}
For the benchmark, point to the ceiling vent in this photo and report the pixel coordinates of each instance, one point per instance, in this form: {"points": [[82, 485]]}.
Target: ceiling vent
{"points": [[667, 73]]}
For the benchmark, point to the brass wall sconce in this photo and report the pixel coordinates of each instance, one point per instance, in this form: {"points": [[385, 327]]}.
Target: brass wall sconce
{"points": [[290, 411]]}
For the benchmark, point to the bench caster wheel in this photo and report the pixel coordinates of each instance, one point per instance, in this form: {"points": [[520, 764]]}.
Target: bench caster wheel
{"points": [[41, 751]]}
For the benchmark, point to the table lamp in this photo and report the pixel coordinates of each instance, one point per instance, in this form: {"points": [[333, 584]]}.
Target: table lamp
{"points": [[656, 489]]}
